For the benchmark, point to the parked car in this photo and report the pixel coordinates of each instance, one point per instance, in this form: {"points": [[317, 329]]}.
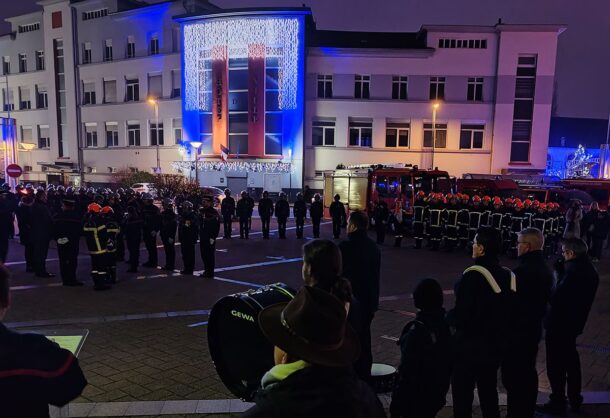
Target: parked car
{"points": [[143, 188], [217, 193]]}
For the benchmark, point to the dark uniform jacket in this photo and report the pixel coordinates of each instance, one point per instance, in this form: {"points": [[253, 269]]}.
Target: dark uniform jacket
{"points": [[152, 219], [320, 392], [299, 209], [209, 224], [41, 221], [188, 229], [67, 224], [337, 210], [227, 207], [316, 210], [35, 372], [112, 231], [572, 297], [24, 222], [361, 266], [243, 208], [132, 226], [534, 283], [265, 207], [282, 209], [169, 224]]}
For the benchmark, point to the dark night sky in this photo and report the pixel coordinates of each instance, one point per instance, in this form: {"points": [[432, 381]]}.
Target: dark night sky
{"points": [[583, 71]]}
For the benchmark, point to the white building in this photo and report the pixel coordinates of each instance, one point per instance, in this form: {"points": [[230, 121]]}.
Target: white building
{"points": [[89, 67]]}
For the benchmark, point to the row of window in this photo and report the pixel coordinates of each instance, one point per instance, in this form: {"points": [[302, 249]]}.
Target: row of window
{"points": [[29, 27], [130, 48], [132, 89], [25, 98], [95, 14], [23, 62], [463, 43], [362, 87], [133, 134], [397, 134]]}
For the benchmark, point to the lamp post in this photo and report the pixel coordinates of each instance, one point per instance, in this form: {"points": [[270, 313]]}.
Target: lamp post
{"points": [[196, 145], [154, 102], [435, 107]]}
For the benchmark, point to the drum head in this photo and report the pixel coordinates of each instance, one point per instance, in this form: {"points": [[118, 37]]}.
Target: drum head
{"points": [[239, 350], [378, 369]]}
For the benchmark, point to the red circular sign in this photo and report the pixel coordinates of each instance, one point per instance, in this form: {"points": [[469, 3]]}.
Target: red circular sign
{"points": [[13, 170]]}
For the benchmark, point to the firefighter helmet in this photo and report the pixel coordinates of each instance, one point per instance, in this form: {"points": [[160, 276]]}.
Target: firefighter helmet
{"points": [[542, 206], [465, 197], [508, 201], [536, 203], [107, 209], [449, 196], [486, 198], [421, 193], [497, 201], [519, 204], [476, 199], [94, 208], [527, 202]]}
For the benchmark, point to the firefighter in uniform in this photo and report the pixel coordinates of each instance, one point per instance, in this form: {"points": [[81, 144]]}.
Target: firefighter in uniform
{"points": [[97, 239], [265, 211], [381, 215], [495, 218], [316, 212], [299, 210], [188, 232], [113, 230], [169, 225], [42, 232], [152, 225], [419, 208], [209, 227], [132, 226], [434, 225], [119, 212], [463, 221], [486, 209], [450, 218], [337, 213], [67, 227], [475, 213], [250, 203], [507, 223], [527, 213], [399, 220], [243, 213], [518, 220], [227, 208], [282, 212]]}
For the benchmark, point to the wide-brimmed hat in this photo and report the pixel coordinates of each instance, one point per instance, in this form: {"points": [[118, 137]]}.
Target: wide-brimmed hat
{"points": [[312, 327]]}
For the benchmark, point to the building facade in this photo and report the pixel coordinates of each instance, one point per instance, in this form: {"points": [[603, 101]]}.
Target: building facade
{"points": [[260, 98]]}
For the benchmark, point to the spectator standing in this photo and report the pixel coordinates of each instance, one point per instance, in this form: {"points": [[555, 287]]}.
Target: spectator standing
{"points": [[426, 357], [570, 303], [534, 283], [314, 351], [34, 371], [362, 267], [483, 299], [573, 218], [600, 226]]}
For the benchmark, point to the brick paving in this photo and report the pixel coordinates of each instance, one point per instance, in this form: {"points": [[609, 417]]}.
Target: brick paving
{"points": [[159, 359]]}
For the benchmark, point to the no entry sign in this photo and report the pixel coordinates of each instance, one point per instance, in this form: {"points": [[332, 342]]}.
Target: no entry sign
{"points": [[13, 170]]}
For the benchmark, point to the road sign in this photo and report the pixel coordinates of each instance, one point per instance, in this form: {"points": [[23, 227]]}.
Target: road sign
{"points": [[13, 170]]}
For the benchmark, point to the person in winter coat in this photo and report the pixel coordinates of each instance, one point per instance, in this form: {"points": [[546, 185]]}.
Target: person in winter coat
{"points": [[209, 227], [299, 210], [188, 233], [227, 209], [314, 352], [573, 218], [316, 212], [534, 283], [133, 225], [399, 219], [570, 304], [337, 213], [426, 357], [381, 214], [169, 226], [265, 211], [34, 371], [282, 211], [598, 231]]}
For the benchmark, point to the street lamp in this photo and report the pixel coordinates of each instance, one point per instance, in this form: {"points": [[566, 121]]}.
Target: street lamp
{"points": [[154, 102], [435, 107], [196, 145]]}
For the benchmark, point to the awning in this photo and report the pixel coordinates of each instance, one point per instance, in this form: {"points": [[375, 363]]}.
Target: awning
{"points": [[60, 166]]}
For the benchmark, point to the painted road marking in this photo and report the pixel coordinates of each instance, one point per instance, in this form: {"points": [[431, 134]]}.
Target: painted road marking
{"points": [[197, 324]]}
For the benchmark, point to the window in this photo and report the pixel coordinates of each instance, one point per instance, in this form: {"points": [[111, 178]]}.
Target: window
{"points": [[39, 60], [462, 43], [95, 14], [60, 94], [441, 135], [523, 111], [89, 93], [238, 133], [24, 98], [112, 134], [437, 88], [154, 45], [131, 47], [6, 65], [42, 100], [133, 133], [109, 91], [274, 124], [30, 27], [132, 93], [156, 132], [399, 88], [397, 135], [91, 134], [87, 53], [176, 83], [155, 86], [475, 89], [471, 136], [177, 125], [26, 134], [325, 86], [361, 133], [108, 50], [56, 19], [44, 141], [323, 133], [7, 100], [23, 63], [362, 86]]}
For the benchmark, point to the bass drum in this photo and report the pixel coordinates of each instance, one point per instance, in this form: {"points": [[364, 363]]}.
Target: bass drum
{"points": [[239, 350]]}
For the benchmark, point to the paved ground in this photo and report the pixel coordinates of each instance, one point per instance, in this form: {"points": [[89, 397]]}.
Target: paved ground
{"points": [[147, 353]]}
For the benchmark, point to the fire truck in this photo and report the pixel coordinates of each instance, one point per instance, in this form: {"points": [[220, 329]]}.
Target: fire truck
{"points": [[360, 185]]}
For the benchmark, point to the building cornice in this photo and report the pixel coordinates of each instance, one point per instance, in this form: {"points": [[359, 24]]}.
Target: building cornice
{"points": [[371, 52], [259, 11]]}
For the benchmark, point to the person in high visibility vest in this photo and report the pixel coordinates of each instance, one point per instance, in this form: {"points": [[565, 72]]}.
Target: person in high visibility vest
{"points": [[113, 230], [96, 236]]}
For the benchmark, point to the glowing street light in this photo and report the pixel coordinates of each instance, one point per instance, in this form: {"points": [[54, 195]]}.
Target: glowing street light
{"points": [[435, 107], [196, 145]]}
